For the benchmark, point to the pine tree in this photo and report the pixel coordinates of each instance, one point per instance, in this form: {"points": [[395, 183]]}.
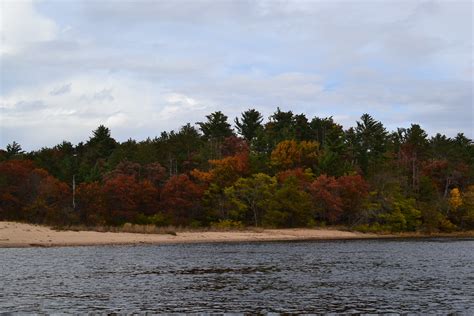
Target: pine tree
{"points": [[249, 125], [216, 126]]}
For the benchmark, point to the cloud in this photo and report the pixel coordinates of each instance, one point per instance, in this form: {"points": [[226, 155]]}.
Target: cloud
{"points": [[104, 95], [61, 90], [21, 25], [130, 108], [149, 66], [116, 119], [23, 106]]}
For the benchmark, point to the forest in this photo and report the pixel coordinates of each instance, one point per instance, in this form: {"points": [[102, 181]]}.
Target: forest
{"points": [[289, 171]]}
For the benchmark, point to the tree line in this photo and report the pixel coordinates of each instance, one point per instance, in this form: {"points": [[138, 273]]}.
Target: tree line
{"points": [[289, 171]]}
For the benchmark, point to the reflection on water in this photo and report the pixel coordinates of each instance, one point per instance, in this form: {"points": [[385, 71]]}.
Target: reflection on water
{"points": [[422, 276]]}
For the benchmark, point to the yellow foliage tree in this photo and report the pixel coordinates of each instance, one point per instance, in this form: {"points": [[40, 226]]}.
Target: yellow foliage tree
{"points": [[286, 155], [290, 154], [455, 199], [309, 153]]}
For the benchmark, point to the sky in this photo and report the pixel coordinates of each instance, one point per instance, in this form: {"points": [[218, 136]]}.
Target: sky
{"points": [[143, 67]]}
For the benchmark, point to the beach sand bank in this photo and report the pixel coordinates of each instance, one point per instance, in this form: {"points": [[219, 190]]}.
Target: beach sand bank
{"points": [[14, 234]]}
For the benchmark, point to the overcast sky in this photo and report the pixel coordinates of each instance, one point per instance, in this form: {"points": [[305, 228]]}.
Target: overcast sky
{"points": [[142, 67]]}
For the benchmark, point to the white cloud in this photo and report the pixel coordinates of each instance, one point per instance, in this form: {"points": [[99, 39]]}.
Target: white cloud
{"points": [[21, 25], [147, 66], [128, 107]]}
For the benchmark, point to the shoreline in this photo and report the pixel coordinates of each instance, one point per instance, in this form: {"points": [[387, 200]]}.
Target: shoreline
{"points": [[21, 235]]}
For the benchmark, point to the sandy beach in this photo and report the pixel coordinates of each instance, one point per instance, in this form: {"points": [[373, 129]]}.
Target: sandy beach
{"points": [[25, 235]]}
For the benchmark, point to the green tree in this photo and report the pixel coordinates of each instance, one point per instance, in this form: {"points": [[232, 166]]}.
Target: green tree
{"points": [[249, 124], [216, 126], [251, 196], [333, 158], [101, 142], [290, 206], [371, 143], [280, 127], [413, 151], [59, 160], [403, 215], [14, 149], [302, 128], [94, 154], [182, 150]]}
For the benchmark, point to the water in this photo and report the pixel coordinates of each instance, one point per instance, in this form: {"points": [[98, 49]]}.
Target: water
{"points": [[397, 276]]}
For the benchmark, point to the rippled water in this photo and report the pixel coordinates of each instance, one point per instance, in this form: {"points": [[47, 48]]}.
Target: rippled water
{"points": [[422, 276]]}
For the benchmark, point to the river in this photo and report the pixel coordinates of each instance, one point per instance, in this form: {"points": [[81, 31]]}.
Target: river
{"points": [[357, 276]]}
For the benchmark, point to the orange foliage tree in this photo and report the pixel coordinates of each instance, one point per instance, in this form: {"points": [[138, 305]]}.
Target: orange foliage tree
{"points": [[290, 154], [224, 172], [303, 177]]}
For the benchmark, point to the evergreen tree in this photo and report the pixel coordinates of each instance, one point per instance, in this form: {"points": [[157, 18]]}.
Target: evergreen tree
{"points": [[280, 127], [302, 128], [332, 139], [216, 126], [94, 154], [14, 149], [371, 138], [101, 142], [415, 149], [249, 125]]}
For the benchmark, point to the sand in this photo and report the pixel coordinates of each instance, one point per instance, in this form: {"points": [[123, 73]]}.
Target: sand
{"points": [[25, 235]]}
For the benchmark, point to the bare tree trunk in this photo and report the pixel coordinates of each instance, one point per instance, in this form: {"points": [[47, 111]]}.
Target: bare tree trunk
{"points": [[446, 187]]}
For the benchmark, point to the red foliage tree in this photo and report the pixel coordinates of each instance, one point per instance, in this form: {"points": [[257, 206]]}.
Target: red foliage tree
{"points": [[14, 189], [340, 199], [91, 203], [233, 145], [326, 194], [121, 199], [154, 173], [126, 168], [354, 191], [29, 193], [180, 199], [52, 198], [303, 177], [148, 198], [445, 174]]}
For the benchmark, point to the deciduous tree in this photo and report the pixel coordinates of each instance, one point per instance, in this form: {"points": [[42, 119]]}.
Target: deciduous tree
{"points": [[326, 194], [181, 200], [250, 197]]}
